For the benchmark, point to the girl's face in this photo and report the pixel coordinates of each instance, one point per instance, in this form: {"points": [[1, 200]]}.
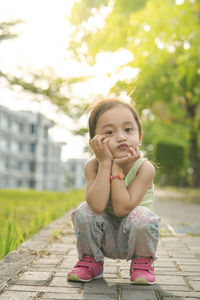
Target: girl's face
{"points": [[119, 126]]}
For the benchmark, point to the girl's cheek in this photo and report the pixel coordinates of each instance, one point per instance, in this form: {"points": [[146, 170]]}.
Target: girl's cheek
{"points": [[109, 145]]}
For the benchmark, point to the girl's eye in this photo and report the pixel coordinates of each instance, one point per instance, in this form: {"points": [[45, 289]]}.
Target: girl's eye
{"points": [[109, 132], [128, 129]]}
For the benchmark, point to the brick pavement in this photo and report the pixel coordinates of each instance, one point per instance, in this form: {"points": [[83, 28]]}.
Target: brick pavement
{"points": [[38, 268]]}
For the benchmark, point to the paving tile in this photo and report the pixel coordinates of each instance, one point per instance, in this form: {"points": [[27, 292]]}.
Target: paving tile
{"points": [[178, 298], [195, 284], [181, 294], [48, 261], [138, 294], [190, 268], [63, 282], [194, 278], [47, 289], [63, 296], [18, 295], [33, 278], [177, 280], [100, 287]]}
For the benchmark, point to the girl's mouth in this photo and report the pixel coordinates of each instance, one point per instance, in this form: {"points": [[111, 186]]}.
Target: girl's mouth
{"points": [[123, 146]]}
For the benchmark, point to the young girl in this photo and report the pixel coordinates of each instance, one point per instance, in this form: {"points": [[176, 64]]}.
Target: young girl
{"points": [[117, 218]]}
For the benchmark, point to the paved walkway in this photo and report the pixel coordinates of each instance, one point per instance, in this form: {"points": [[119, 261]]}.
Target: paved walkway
{"points": [[38, 268]]}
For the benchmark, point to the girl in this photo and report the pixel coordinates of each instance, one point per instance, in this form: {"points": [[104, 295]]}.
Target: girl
{"points": [[117, 218]]}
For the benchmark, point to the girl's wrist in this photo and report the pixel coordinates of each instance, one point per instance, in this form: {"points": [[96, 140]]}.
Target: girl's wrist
{"points": [[106, 163]]}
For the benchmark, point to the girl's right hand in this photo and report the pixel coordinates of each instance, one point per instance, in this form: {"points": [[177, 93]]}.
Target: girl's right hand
{"points": [[100, 147]]}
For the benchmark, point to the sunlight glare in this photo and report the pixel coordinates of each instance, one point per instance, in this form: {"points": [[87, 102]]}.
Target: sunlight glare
{"points": [[146, 27], [179, 2], [128, 73], [159, 43], [108, 62]]}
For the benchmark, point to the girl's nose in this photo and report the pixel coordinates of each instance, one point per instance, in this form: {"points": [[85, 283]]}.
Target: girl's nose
{"points": [[121, 137]]}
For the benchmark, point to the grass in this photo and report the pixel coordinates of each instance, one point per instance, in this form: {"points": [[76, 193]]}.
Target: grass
{"points": [[25, 212]]}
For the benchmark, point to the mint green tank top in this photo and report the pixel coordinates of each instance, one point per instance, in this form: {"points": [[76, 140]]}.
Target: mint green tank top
{"points": [[146, 201]]}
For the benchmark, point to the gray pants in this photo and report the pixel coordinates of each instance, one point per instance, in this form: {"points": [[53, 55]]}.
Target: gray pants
{"points": [[103, 235]]}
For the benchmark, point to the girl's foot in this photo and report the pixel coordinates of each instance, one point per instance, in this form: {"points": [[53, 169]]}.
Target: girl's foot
{"points": [[142, 271], [86, 270]]}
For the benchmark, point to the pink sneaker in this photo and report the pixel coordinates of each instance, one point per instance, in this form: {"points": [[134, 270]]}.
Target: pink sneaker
{"points": [[86, 270], [142, 271]]}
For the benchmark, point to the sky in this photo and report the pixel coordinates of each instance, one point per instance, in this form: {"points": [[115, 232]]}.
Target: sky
{"points": [[43, 42]]}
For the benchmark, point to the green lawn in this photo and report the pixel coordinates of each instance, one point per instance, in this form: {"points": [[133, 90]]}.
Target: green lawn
{"points": [[24, 212]]}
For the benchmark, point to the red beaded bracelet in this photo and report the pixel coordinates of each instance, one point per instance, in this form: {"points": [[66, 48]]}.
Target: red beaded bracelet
{"points": [[119, 176]]}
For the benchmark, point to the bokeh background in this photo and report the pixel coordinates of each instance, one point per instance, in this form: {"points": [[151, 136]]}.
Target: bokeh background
{"points": [[59, 56]]}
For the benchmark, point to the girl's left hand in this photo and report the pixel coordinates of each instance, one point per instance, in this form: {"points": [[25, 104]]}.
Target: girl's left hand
{"points": [[131, 156]]}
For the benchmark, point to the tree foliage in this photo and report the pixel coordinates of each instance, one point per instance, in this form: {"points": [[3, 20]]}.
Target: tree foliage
{"points": [[163, 37], [7, 29], [44, 84]]}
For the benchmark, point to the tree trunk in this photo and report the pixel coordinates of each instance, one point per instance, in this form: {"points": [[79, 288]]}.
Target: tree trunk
{"points": [[193, 146], [194, 158]]}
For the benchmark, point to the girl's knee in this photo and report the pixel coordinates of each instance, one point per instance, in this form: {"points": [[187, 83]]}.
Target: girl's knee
{"points": [[84, 213], [142, 218]]}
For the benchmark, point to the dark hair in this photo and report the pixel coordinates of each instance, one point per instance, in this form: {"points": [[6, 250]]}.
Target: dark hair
{"points": [[98, 108]]}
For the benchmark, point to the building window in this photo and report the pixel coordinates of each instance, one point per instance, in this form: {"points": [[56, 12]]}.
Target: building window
{"points": [[32, 184], [3, 143], [8, 144], [45, 168], [4, 122], [19, 165], [46, 129], [33, 128], [72, 168], [19, 183], [20, 147], [45, 150], [32, 166], [32, 147], [21, 127], [9, 122], [8, 164]]}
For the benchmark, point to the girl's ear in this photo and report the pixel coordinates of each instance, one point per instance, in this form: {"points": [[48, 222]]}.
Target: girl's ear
{"points": [[140, 139]]}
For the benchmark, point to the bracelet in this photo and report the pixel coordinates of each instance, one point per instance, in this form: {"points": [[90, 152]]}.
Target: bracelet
{"points": [[120, 176]]}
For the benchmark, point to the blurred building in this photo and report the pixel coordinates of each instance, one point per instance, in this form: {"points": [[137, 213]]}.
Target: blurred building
{"points": [[28, 156], [75, 173]]}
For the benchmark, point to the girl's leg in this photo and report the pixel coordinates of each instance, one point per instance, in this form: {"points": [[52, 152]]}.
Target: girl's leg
{"points": [[138, 235], [94, 232], [140, 230]]}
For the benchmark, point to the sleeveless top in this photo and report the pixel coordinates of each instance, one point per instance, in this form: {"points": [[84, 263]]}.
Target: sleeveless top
{"points": [[146, 201]]}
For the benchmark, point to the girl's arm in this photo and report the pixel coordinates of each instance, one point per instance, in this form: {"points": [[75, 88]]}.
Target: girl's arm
{"points": [[97, 175], [123, 199]]}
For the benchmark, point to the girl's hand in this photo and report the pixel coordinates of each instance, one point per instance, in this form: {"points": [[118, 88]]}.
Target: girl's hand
{"points": [[100, 147], [131, 156]]}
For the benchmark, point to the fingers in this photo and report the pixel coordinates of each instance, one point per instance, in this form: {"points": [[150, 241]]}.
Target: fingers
{"points": [[97, 141], [99, 145], [135, 152], [132, 155]]}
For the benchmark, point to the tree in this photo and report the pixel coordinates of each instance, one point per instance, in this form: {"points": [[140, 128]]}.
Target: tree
{"points": [[6, 29], [43, 84], [164, 40]]}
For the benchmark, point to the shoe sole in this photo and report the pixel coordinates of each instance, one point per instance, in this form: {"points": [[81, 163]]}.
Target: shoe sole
{"points": [[142, 281], [74, 277]]}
